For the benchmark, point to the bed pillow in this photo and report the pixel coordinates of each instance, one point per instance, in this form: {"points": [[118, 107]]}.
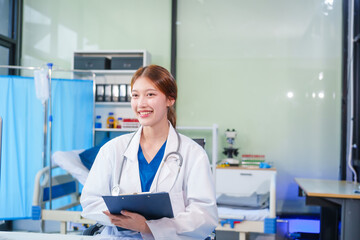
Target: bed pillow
{"points": [[70, 162], [88, 156]]}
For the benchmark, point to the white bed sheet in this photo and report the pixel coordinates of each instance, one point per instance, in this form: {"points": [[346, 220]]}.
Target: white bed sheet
{"points": [[250, 215], [70, 161]]}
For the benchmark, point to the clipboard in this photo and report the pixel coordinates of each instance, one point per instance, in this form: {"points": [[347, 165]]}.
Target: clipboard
{"points": [[150, 205]]}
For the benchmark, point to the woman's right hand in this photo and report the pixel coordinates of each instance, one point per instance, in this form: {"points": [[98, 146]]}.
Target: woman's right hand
{"points": [[129, 220]]}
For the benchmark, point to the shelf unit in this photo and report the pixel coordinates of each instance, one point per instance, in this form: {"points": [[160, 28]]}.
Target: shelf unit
{"points": [[114, 129], [114, 104], [111, 77]]}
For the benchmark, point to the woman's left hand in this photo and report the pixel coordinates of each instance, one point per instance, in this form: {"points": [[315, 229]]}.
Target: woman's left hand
{"points": [[129, 220]]}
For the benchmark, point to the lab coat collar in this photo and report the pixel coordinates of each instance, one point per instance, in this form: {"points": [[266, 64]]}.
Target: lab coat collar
{"points": [[172, 141], [132, 170], [133, 148], [132, 151], [168, 171]]}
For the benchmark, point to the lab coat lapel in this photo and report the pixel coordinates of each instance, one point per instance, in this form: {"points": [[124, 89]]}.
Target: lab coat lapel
{"points": [[131, 175], [169, 167]]}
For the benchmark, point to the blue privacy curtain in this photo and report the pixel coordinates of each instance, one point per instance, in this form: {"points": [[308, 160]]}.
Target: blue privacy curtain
{"points": [[22, 140]]}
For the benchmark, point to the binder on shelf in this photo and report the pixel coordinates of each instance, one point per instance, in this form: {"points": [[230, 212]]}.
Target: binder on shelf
{"points": [[150, 205], [115, 97], [122, 93], [128, 93], [100, 92], [107, 97]]}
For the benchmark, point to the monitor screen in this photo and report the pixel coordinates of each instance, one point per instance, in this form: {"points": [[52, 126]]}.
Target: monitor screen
{"points": [[200, 141]]}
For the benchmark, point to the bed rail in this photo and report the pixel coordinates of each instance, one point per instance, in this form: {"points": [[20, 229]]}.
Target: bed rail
{"points": [[62, 185]]}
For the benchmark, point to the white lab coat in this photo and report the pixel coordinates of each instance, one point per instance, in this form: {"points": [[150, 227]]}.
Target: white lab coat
{"points": [[192, 197]]}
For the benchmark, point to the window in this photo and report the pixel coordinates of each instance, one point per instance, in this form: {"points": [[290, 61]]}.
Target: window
{"points": [[4, 59], [10, 29], [5, 18]]}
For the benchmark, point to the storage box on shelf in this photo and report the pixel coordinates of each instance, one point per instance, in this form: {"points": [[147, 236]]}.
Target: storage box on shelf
{"points": [[91, 63], [129, 60], [113, 71]]}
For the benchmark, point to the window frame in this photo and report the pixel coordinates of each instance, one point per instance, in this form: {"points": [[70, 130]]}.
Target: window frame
{"points": [[13, 43]]}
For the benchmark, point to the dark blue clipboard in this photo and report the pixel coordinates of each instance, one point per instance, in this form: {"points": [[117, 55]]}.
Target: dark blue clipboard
{"points": [[150, 205]]}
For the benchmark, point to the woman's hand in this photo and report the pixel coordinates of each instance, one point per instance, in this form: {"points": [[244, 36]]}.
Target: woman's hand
{"points": [[129, 220]]}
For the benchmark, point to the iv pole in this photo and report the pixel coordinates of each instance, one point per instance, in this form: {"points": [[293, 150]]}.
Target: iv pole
{"points": [[48, 115], [47, 105], [49, 65]]}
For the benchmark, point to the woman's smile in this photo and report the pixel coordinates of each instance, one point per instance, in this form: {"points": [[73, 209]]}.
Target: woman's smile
{"points": [[144, 114]]}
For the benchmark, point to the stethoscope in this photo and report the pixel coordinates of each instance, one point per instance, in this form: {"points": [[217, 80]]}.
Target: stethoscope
{"points": [[115, 191]]}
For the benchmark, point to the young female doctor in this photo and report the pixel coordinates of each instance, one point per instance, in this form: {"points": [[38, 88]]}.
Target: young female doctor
{"points": [[156, 158]]}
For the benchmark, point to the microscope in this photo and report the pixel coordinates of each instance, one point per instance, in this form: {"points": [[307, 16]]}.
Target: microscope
{"points": [[230, 151]]}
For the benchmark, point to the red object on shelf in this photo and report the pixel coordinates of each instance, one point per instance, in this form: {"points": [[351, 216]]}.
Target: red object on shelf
{"points": [[130, 123], [130, 120]]}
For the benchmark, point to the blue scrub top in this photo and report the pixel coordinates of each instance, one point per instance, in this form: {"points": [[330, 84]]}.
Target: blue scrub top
{"points": [[148, 170]]}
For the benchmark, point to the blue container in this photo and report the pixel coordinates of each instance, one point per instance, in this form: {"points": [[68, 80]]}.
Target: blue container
{"points": [[98, 121], [270, 225]]}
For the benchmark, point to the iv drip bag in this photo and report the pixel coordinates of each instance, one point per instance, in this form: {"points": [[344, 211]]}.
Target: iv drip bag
{"points": [[41, 85]]}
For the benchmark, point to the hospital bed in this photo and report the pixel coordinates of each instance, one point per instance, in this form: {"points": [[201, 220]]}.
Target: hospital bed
{"points": [[63, 185]]}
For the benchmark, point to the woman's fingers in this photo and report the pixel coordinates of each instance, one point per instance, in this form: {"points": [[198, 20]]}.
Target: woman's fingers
{"points": [[107, 213], [129, 220], [128, 214], [115, 219]]}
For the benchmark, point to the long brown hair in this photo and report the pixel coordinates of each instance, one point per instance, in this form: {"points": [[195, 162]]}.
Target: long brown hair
{"points": [[164, 81]]}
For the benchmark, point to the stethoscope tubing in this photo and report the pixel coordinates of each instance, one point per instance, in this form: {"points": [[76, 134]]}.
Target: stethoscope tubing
{"points": [[116, 188]]}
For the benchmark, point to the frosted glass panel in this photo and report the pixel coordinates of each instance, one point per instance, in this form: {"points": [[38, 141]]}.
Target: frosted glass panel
{"points": [[49, 35], [272, 71]]}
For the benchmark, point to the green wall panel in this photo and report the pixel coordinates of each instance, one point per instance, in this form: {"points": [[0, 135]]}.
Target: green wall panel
{"points": [[272, 71]]}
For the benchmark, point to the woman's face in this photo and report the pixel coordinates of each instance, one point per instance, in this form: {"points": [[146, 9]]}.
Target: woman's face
{"points": [[149, 103]]}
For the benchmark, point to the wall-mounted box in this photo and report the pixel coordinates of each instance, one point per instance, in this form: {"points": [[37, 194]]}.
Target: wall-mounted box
{"points": [[86, 63], [126, 63]]}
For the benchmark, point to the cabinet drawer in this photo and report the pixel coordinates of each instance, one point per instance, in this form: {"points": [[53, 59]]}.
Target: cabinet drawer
{"points": [[242, 182]]}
